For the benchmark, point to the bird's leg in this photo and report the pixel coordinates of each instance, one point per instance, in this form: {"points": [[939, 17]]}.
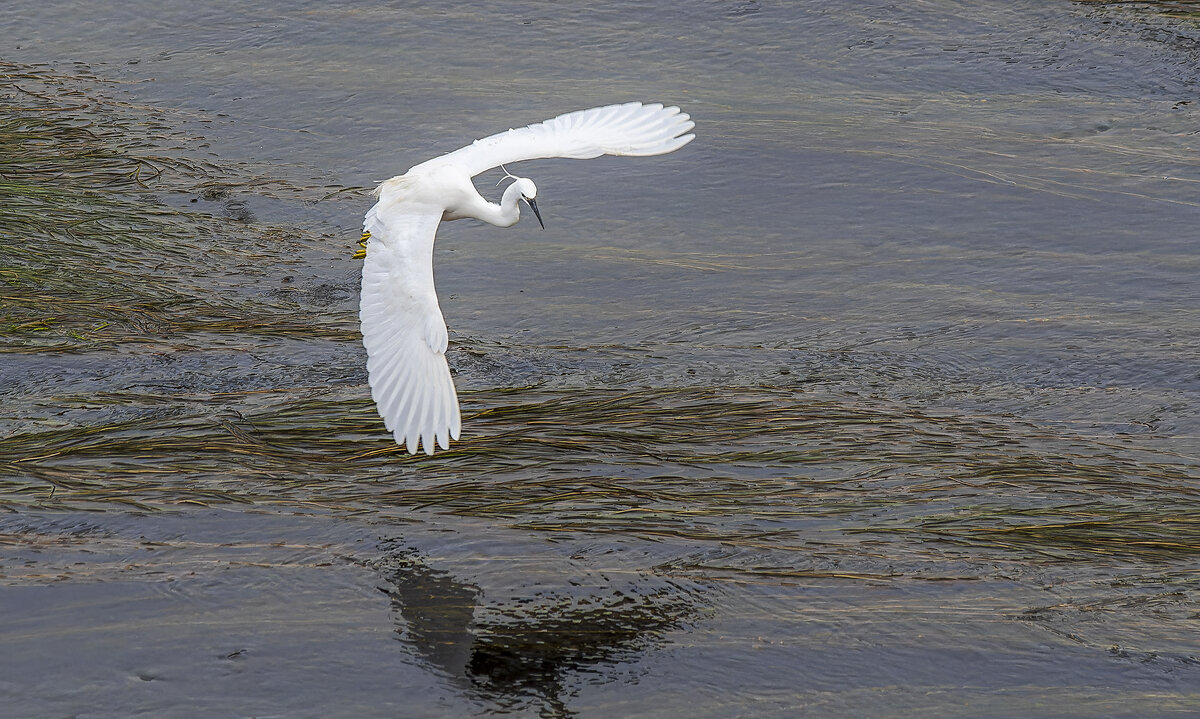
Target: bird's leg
{"points": [[362, 242]]}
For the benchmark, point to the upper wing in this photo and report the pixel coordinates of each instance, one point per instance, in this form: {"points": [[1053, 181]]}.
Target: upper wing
{"points": [[629, 129], [403, 329]]}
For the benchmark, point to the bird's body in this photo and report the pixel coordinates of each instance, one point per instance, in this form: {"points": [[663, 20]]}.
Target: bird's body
{"points": [[402, 325]]}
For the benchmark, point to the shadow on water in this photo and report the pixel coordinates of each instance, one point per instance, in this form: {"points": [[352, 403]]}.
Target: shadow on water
{"points": [[516, 654]]}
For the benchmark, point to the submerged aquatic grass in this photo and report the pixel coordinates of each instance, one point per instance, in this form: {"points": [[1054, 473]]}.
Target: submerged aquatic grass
{"points": [[89, 254], [749, 467], [1186, 9]]}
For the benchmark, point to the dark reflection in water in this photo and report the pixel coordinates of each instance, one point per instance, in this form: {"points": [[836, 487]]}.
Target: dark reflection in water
{"points": [[434, 611], [522, 652]]}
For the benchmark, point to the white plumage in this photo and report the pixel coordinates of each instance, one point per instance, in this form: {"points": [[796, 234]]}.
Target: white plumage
{"points": [[402, 325]]}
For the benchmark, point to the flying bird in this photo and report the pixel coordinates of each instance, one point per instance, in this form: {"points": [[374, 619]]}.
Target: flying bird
{"points": [[402, 325]]}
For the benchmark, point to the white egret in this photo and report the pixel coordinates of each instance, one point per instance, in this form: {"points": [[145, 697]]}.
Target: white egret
{"points": [[402, 325]]}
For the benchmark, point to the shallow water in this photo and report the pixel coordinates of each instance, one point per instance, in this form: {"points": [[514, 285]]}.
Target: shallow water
{"points": [[878, 398]]}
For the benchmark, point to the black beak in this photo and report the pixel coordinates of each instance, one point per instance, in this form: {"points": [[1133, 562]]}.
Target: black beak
{"points": [[533, 206]]}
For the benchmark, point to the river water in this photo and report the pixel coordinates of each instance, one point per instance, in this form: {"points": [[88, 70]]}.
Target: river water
{"points": [[877, 399]]}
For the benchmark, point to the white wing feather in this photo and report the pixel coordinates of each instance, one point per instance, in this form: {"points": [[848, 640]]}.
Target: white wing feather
{"points": [[629, 129], [403, 329]]}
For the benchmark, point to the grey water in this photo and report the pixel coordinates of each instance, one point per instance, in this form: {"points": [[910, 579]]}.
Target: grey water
{"points": [[879, 398]]}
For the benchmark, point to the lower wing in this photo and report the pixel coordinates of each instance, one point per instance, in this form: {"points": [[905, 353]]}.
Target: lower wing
{"points": [[404, 332]]}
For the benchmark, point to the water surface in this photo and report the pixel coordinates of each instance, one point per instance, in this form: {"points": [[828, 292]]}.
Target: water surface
{"points": [[878, 398]]}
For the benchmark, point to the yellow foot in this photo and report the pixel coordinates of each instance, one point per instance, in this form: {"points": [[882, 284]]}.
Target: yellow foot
{"points": [[362, 242]]}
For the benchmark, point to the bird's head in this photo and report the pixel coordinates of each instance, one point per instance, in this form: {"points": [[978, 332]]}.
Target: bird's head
{"points": [[524, 189], [529, 194], [527, 188]]}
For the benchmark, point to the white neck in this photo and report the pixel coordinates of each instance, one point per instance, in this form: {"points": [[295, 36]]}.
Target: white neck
{"points": [[506, 213]]}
